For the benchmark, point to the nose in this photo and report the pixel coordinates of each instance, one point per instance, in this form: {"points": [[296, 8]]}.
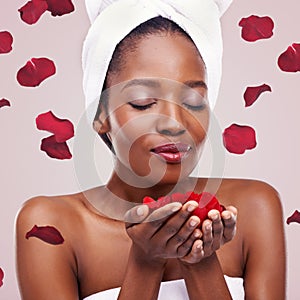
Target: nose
{"points": [[170, 120]]}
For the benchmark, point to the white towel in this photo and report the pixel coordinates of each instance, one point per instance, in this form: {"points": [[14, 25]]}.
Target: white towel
{"points": [[112, 20], [176, 290]]}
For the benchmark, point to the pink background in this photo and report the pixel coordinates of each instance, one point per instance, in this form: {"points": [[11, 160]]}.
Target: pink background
{"points": [[27, 172]]}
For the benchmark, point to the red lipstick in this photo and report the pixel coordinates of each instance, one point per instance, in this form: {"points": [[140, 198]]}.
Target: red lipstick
{"points": [[172, 153]]}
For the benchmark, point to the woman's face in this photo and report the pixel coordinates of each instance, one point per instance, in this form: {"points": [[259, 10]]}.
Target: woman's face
{"points": [[157, 111]]}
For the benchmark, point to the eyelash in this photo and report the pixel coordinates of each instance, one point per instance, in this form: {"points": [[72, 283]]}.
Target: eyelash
{"points": [[195, 108], [141, 107], [190, 107]]}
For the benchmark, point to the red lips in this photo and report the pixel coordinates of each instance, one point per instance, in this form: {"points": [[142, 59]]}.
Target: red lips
{"points": [[173, 152]]}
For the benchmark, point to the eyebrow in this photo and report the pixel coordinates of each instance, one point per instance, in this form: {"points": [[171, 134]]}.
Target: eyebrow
{"points": [[155, 84], [196, 84], [142, 82]]}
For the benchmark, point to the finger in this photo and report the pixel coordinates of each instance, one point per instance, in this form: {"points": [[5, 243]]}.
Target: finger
{"points": [[196, 254], [229, 221], [159, 216], [207, 236], [217, 228], [164, 212], [232, 209], [184, 233], [174, 224], [186, 247], [136, 215]]}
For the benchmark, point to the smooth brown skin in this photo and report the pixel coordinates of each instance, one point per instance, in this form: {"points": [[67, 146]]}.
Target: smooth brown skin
{"points": [[100, 253]]}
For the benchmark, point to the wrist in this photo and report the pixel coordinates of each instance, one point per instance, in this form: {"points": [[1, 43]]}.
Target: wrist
{"points": [[141, 258], [206, 262]]}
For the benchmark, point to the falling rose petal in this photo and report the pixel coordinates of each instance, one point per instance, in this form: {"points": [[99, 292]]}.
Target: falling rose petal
{"points": [[1, 277], [35, 71], [62, 129], [295, 217], [289, 61], [48, 234], [60, 7], [239, 138], [4, 102], [253, 92], [256, 28], [6, 40], [55, 149], [32, 11]]}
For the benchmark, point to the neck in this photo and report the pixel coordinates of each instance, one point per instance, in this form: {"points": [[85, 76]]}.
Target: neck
{"points": [[135, 194]]}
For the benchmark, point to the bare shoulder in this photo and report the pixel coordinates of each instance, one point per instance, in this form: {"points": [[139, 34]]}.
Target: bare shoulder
{"points": [[45, 209], [250, 194], [72, 215], [259, 208]]}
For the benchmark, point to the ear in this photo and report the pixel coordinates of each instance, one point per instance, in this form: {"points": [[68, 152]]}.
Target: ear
{"points": [[101, 124]]}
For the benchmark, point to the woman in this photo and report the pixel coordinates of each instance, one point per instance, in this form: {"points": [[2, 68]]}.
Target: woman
{"points": [[154, 114]]}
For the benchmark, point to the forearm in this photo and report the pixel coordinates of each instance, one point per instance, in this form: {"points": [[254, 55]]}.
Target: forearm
{"points": [[205, 280], [142, 278]]}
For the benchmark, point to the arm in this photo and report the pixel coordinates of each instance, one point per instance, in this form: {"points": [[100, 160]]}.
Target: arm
{"points": [[44, 271], [264, 245], [142, 277], [205, 280]]}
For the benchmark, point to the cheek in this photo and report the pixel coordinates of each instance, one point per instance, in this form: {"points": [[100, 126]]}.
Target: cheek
{"points": [[197, 127], [130, 127], [128, 134]]}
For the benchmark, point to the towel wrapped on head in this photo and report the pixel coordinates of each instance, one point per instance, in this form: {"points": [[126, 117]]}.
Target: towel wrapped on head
{"points": [[112, 20]]}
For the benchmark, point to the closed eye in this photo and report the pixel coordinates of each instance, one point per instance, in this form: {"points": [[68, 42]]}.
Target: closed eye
{"points": [[142, 104], [195, 107]]}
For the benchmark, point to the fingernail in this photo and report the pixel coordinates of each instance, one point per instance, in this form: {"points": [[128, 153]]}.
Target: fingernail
{"points": [[193, 223], [176, 208], [214, 217], [190, 208], [208, 227], [197, 234], [226, 216], [199, 246], [140, 211]]}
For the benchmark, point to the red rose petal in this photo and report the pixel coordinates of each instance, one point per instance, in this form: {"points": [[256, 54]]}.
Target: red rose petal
{"points": [[150, 202], [193, 196], [164, 200], [253, 92], [55, 149], [35, 71], [1, 277], [6, 40], [32, 11], [178, 197], [295, 217], [255, 28], [60, 7], [4, 102], [206, 202], [48, 234], [148, 199], [239, 138], [289, 61], [63, 129]]}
